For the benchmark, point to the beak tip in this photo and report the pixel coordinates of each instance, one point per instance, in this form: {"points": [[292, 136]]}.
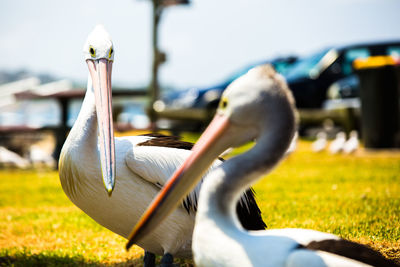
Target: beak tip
{"points": [[128, 245], [109, 192], [109, 188]]}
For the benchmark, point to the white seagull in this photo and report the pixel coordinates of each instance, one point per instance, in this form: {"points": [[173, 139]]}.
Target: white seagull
{"points": [[138, 166], [337, 145], [319, 144], [352, 144], [257, 106]]}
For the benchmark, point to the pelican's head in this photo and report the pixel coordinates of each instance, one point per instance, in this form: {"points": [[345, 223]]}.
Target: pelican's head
{"points": [[99, 55], [99, 45], [257, 105]]}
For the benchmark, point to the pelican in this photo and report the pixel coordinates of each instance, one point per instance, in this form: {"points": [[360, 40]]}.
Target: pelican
{"points": [[130, 169], [256, 106]]}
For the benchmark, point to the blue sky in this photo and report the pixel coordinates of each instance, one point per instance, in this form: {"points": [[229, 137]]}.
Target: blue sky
{"points": [[204, 42]]}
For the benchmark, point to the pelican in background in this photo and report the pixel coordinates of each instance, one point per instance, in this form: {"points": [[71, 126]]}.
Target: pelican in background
{"points": [[133, 168], [256, 106]]}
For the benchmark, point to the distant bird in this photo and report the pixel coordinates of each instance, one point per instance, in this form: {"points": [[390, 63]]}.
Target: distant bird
{"points": [[12, 159], [319, 144], [140, 165], [337, 145], [267, 115], [293, 144], [39, 156], [352, 144]]}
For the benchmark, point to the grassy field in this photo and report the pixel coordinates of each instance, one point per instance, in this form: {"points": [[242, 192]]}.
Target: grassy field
{"points": [[354, 196]]}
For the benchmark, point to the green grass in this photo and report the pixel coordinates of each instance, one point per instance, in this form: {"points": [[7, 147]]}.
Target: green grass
{"points": [[354, 196]]}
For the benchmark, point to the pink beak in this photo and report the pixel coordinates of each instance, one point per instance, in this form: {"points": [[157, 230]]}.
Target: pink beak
{"points": [[100, 72]]}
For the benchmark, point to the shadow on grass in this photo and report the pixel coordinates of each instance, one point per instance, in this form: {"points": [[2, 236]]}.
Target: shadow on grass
{"points": [[33, 260], [56, 260]]}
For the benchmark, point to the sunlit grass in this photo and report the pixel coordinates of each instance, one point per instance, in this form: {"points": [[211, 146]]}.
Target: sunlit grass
{"points": [[354, 196]]}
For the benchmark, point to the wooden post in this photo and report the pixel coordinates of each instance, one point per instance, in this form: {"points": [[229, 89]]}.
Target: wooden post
{"points": [[154, 88], [61, 132], [158, 56]]}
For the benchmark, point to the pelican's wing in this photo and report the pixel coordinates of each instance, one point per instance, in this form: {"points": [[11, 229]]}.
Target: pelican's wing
{"points": [[157, 164], [155, 158]]}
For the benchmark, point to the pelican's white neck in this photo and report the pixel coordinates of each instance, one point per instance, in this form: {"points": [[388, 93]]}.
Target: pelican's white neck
{"points": [[222, 188], [79, 147], [84, 130]]}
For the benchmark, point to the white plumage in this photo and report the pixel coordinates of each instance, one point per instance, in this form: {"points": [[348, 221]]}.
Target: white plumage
{"points": [[320, 143], [139, 171], [337, 145], [352, 143], [136, 185], [10, 158]]}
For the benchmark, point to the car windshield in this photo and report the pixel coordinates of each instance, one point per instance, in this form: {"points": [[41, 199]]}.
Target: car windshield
{"points": [[241, 72], [304, 67]]}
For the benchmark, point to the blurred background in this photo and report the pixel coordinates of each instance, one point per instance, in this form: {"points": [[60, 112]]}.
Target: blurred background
{"points": [[174, 58]]}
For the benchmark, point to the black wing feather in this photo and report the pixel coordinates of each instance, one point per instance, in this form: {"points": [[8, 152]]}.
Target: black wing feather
{"points": [[352, 250]]}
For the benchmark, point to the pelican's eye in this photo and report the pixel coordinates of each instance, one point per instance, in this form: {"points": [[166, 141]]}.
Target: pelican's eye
{"points": [[111, 52], [92, 51], [223, 103]]}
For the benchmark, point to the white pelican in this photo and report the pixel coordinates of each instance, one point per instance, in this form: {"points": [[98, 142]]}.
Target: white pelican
{"points": [[337, 145], [140, 165], [352, 144], [256, 106]]}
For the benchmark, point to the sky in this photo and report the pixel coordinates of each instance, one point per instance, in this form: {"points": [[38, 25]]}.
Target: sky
{"points": [[205, 42]]}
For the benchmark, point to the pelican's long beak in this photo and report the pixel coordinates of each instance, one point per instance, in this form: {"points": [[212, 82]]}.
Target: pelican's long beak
{"points": [[210, 145], [100, 72]]}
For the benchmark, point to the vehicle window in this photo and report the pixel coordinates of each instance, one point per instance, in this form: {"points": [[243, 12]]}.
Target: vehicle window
{"points": [[350, 56], [283, 67], [239, 73], [394, 51], [305, 66]]}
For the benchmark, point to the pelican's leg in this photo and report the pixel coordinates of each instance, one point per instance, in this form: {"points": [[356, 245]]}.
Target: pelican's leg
{"points": [[149, 259], [167, 260]]}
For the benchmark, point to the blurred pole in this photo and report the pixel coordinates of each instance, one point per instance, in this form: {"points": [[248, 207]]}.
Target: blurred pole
{"points": [[158, 56], [154, 88], [61, 132]]}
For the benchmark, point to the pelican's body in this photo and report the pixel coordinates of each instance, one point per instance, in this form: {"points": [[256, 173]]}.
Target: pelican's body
{"points": [[139, 167], [256, 106], [80, 175]]}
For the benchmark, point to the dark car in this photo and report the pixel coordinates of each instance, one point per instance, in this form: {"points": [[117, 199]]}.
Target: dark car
{"points": [[193, 108], [310, 77], [325, 86]]}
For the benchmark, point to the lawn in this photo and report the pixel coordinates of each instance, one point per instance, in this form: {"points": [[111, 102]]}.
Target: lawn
{"points": [[354, 196]]}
